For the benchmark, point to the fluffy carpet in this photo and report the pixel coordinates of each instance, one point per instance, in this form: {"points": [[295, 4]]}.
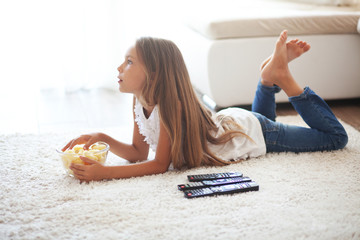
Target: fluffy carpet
{"points": [[301, 196]]}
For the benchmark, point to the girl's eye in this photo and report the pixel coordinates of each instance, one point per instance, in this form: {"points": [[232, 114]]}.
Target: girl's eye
{"points": [[129, 62]]}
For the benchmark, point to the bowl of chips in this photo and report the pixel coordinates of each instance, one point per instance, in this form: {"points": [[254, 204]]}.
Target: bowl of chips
{"points": [[97, 152]]}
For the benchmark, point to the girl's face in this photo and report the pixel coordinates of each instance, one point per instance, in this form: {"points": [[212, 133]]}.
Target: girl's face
{"points": [[131, 74]]}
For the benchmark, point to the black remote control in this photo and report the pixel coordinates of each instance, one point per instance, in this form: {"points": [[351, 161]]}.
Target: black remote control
{"points": [[212, 183], [213, 176], [225, 189]]}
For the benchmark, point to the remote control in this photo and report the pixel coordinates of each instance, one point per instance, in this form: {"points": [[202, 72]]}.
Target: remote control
{"points": [[212, 183], [225, 189], [213, 176]]}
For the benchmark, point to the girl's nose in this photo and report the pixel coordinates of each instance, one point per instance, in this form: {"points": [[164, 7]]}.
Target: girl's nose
{"points": [[120, 68]]}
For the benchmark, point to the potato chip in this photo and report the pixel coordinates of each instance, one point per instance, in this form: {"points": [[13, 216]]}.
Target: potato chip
{"points": [[98, 146], [73, 155]]}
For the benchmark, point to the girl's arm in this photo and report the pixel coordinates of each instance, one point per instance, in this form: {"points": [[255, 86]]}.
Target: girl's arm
{"points": [[136, 151], [160, 164], [96, 171]]}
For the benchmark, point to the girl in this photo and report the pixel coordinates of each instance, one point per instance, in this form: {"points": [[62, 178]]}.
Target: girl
{"points": [[169, 118]]}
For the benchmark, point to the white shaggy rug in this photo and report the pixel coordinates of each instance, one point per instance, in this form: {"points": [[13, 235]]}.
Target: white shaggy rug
{"points": [[301, 196]]}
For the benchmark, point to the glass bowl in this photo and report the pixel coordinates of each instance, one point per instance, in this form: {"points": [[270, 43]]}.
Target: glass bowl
{"points": [[97, 151]]}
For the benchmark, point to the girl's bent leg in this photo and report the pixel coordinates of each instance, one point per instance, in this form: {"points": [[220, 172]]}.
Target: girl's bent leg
{"points": [[325, 132], [264, 101], [318, 115]]}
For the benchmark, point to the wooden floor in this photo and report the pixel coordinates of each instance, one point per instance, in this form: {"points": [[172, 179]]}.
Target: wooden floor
{"points": [[55, 111]]}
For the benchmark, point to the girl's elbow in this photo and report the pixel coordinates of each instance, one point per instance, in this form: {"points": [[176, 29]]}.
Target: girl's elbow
{"points": [[162, 167], [163, 170]]}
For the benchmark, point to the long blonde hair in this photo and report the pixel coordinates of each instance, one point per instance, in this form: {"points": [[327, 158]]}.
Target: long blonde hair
{"points": [[187, 122]]}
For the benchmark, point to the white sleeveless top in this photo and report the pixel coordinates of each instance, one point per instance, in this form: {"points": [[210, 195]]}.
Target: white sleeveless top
{"points": [[148, 127], [238, 148]]}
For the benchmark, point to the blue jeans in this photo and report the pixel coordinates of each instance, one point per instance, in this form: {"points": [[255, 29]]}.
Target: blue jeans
{"points": [[325, 132]]}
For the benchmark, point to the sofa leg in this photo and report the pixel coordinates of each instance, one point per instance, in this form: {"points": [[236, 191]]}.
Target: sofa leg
{"points": [[209, 102]]}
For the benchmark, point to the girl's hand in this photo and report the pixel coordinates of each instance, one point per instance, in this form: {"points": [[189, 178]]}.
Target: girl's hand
{"points": [[88, 139], [91, 171]]}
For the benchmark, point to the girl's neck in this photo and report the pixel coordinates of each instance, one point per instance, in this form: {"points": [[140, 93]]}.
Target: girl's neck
{"points": [[147, 111], [146, 108]]}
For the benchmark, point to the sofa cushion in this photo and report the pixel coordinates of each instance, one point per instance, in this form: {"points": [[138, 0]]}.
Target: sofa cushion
{"points": [[266, 18]]}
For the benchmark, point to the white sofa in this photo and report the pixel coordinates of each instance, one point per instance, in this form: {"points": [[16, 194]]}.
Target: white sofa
{"points": [[227, 41]]}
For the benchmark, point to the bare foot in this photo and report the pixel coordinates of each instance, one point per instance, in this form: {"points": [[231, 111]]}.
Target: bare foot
{"points": [[278, 60], [276, 71], [295, 48]]}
